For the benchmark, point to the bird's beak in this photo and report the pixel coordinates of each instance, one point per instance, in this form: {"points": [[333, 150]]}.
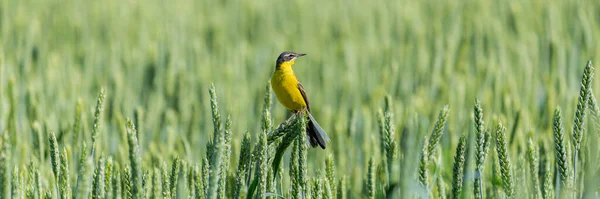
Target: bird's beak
{"points": [[300, 54]]}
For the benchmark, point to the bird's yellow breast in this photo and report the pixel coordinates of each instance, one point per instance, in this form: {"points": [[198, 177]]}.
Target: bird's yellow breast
{"points": [[285, 85]]}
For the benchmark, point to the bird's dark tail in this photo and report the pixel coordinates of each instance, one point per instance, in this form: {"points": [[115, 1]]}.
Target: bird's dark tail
{"points": [[316, 135]]}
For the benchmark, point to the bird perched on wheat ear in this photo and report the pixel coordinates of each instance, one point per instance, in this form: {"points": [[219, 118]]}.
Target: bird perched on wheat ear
{"points": [[292, 96]]}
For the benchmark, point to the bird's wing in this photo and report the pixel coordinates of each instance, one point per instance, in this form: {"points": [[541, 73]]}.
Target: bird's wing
{"points": [[304, 96]]}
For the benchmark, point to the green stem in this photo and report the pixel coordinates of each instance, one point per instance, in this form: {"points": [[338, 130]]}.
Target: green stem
{"points": [[575, 173], [252, 188]]}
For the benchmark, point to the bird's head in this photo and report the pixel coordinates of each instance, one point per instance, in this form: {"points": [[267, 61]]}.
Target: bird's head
{"points": [[287, 58]]}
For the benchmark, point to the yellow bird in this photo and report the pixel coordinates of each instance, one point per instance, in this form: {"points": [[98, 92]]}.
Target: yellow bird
{"points": [[290, 94]]}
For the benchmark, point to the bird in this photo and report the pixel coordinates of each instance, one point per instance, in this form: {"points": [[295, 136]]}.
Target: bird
{"points": [[291, 94]]}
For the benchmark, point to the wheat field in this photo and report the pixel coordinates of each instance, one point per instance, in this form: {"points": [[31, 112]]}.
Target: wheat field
{"points": [[421, 99]]}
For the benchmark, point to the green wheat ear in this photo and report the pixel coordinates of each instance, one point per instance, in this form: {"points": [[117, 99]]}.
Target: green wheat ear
{"points": [[225, 158], [145, 184], [218, 144], [341, 188], [302, 156], [584, 95], [262, 160], [380, 125], [134, 159], [458, 167], [97, 118], [545, 174], [156, 185], [243, 169], [216, 116], [371, 179], [64, 179], [198, 185], [480, 149], [266, 112], [330, 173], [166, 181], [98, 182], [117, 187], [77, 126], [35, 185], [441, 187], [578, 127], [327, 191], [270, 190], [389, 143], [533, 167], [108, 172], [560, 150], [422, 172], [83, 171], [317, 188], [188, 174], [258, 187], [520, 185], [437, 132], [505, 167], [285, 128], [294, 130], [205, 175], [15, 190], [429, 146], [296, 187], [175, 169], [55, 159], [127, 184]]}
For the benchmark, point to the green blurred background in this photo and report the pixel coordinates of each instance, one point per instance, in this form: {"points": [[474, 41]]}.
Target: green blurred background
{"points": [[522, 59]]}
